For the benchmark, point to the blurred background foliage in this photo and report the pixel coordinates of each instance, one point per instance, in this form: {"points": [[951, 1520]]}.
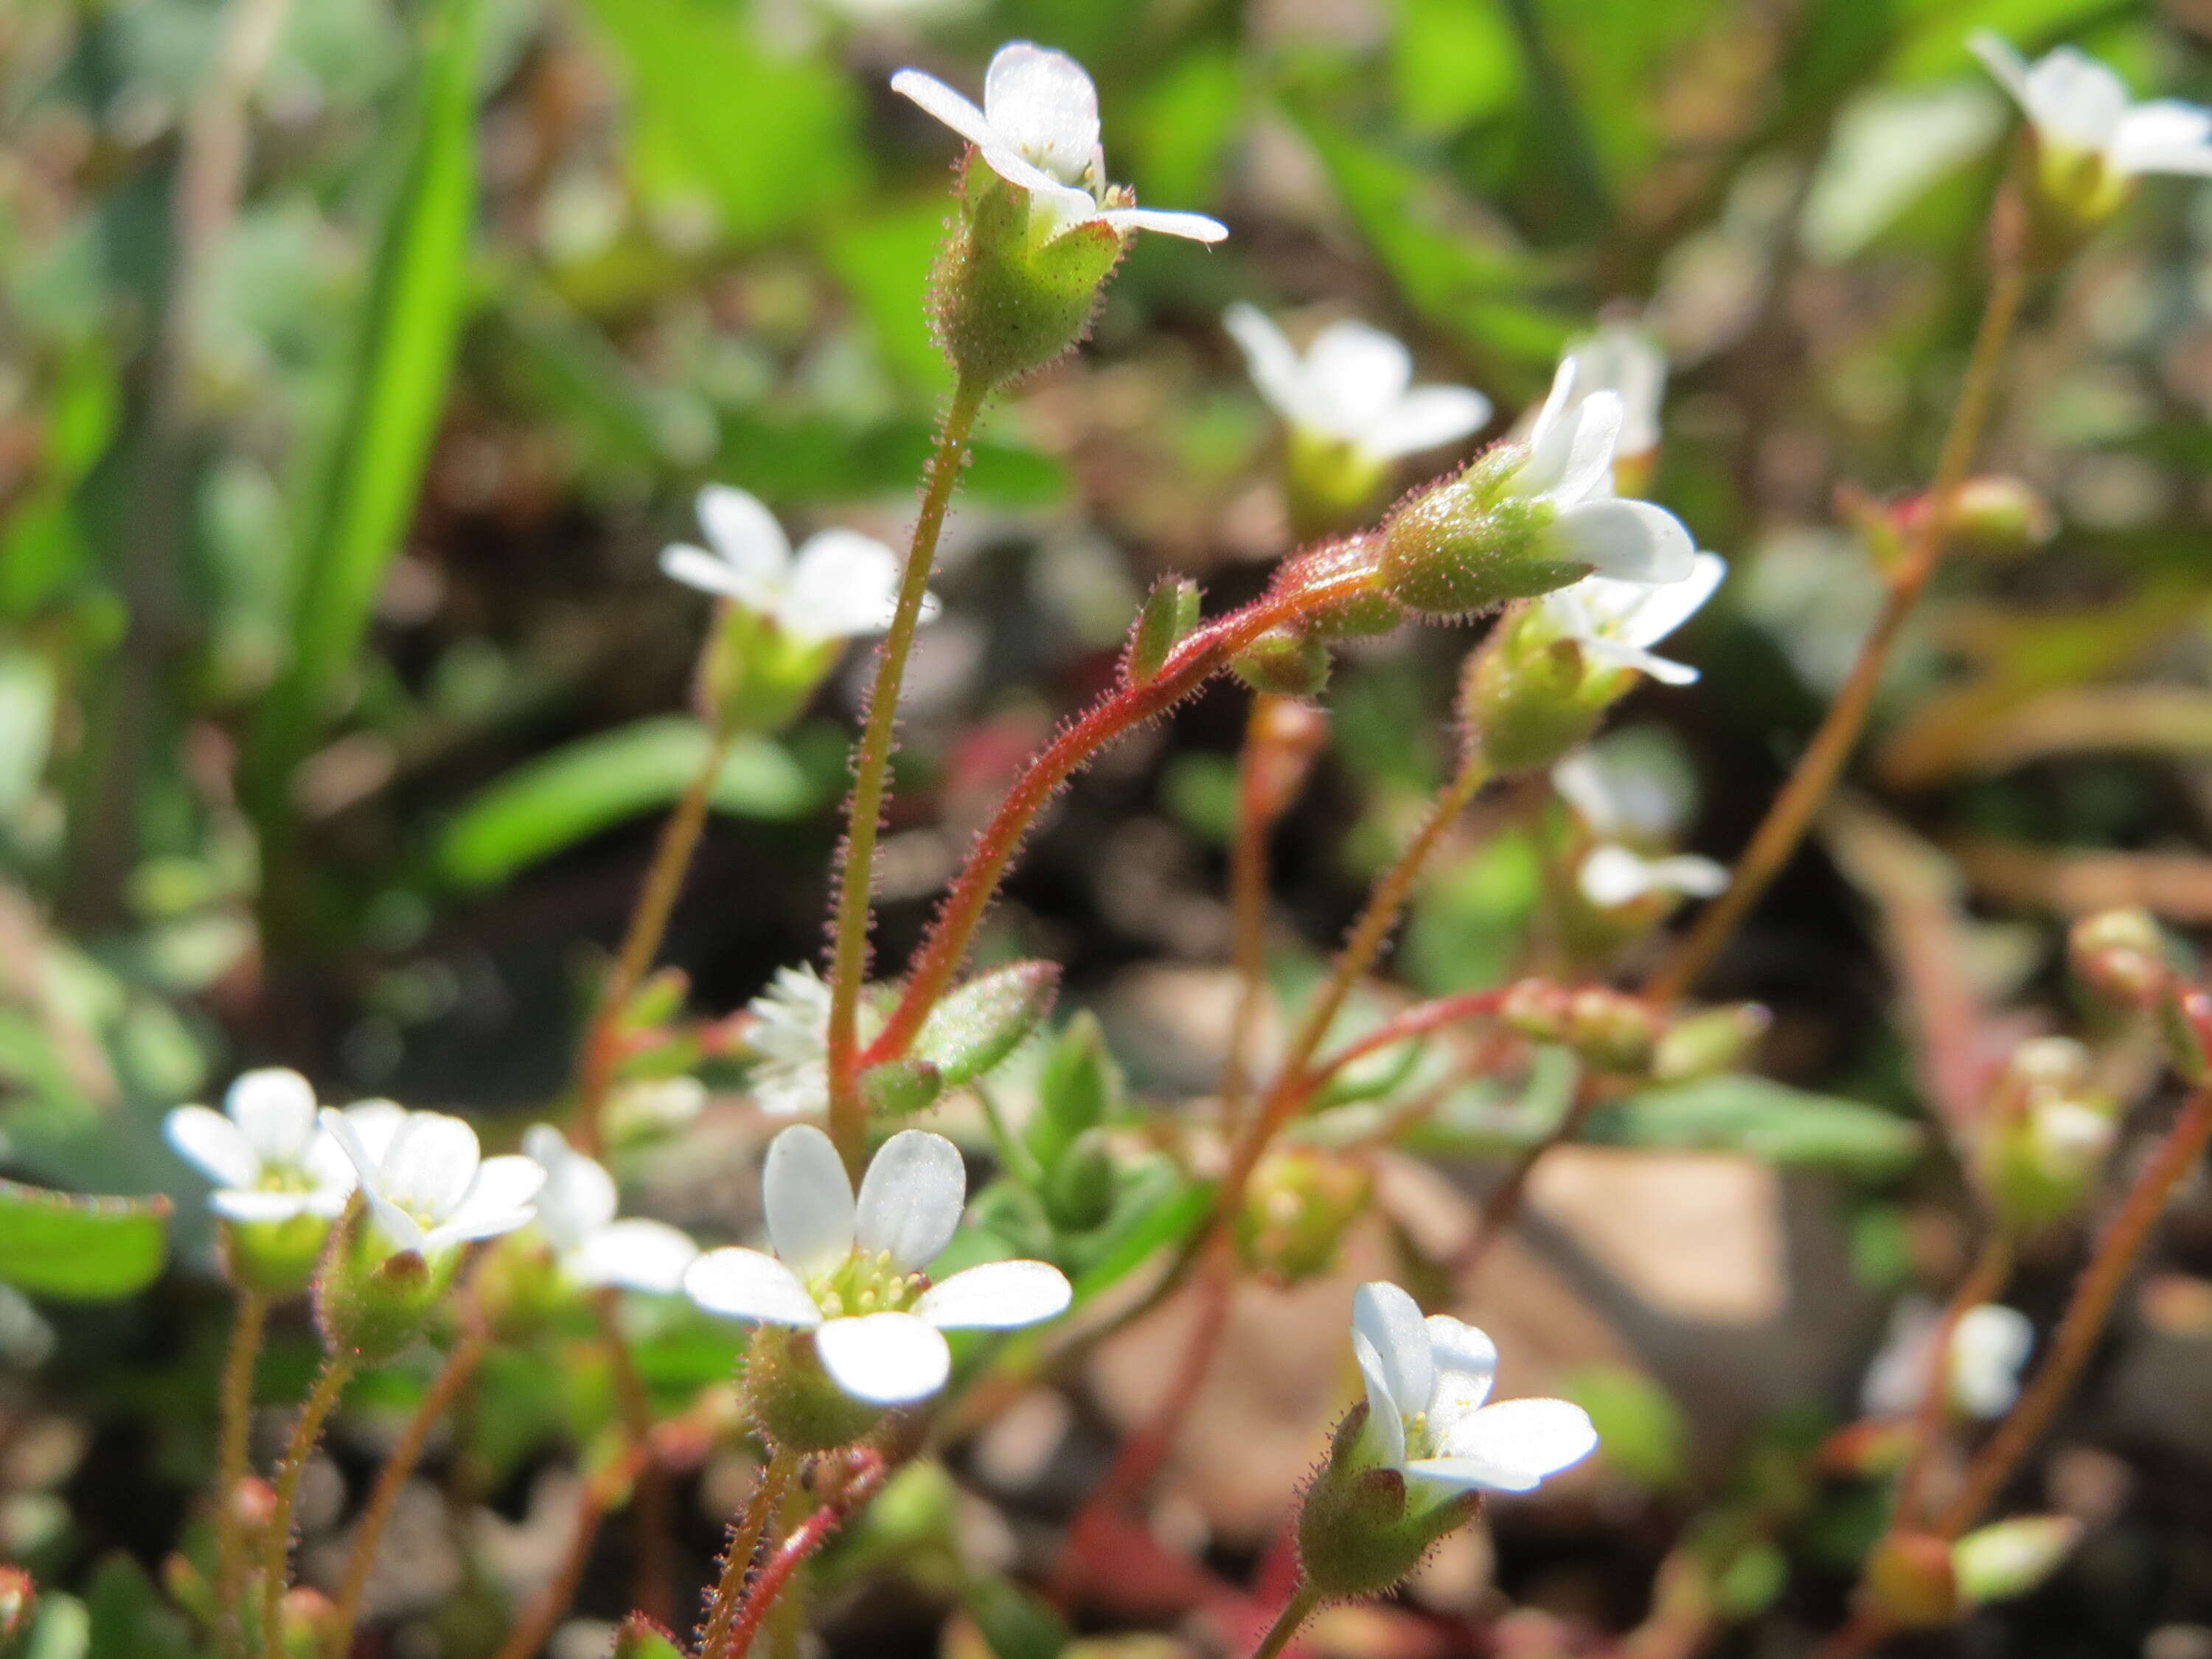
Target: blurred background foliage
{"points": [[357, 357]]}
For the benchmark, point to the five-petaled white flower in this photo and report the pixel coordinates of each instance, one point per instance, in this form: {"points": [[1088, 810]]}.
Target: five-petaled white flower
{"points": [[1427, 1381], [851, 1273], [429, 1187], [2080, 107], [838, 584], [265, 1152], [1569, 467], [1612, 875], [1038, 129], [1989, 1345], [1627, 807], [1616, 622], [575, 1212], [1353, 385], [1623, 358], [790, 1033]]}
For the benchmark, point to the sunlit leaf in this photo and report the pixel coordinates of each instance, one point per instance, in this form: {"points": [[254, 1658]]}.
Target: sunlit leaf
{"points": [[80, 1250]]}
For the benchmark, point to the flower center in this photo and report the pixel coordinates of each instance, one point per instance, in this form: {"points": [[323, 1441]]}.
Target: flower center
{"points": [[1417, 1437], [867, 1283]]}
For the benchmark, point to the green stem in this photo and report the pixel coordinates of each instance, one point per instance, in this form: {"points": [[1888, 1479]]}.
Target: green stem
{"points": [[322, 1399], [745, 1535], [848, 1117], [1295, 1613], [230, 1464]]}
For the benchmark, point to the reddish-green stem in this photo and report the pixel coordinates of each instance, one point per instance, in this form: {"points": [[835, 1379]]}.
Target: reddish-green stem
{"points": [[651, 1506], [1984, 1283], [329, 1382], [849, 1113], [746, 1533], [230, 1464], [1248, 909], [1407, 1025], [1295, 1613], [775, 1572]]}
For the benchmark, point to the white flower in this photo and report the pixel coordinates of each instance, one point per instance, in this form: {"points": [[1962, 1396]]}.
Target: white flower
{"points": [[575, 1210], [1426, 1382], [790, 1032], [851, 1273], [838, 584], [1988, 1347], [265, 1153], [1038, 129], [1616, 622], [1630, 786], [1355, 385], [429, 1186], [2078, 105], [1625, 358], [1612, 875], [1570, 452]]}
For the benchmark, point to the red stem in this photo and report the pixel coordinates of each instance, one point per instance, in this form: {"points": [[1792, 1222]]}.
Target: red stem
{"points": [[1409, 1022]]}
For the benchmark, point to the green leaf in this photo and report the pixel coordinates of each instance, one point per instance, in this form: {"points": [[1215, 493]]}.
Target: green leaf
{"points": [[1015, 1624], [129, 1618], [1764, 1120], [556, 800], [640, 1638], [60, 1629], [80, 1250], [1643, 1430], [409, 324], [983, 1021]]}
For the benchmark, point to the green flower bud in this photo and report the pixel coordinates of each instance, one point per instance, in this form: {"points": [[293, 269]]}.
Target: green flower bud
{"points": [[1170, 612], [985, 1020], [1287, 662], [1909, 1578], [794, 1402], [1713, 1040], [1078, 1189], [1999, 517], [1469, 543], [1079, 1089], [899, 1088], [519, 1286], [276, 1258], [2120, 955], [372, 1305], [302, 1618], [2012, 1557], [639, 1637], [755, 676], [1008, 302], [2185, 1025], [1298, 1207]]}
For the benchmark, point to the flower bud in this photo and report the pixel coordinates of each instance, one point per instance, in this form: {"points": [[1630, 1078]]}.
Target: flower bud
{"points": [[301, 1620], [2012, 1557], [755, 677], [1523, 699], [1298, 1207], [794, 1402], [1612, 1030], [1997, 516], [1007, 301], [372, 1305], [982, 1021], [1469, 543], [1077, 1089], [1331, 481], [639, 1637], [2045, 1133], [1287, 661], [1909, 1578], [1168, 613], [899, 1088], [1711, 1041], [1078, 1189], [2120, 955], [2184, 1025]]}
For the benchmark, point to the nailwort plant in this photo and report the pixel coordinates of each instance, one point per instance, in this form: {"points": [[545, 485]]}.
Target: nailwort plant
{"points": [[890, 1311]]}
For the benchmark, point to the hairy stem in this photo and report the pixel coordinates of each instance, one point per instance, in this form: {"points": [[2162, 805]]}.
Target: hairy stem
{"points": [[1247, 909], [746, 1533], [398, 1466], [1776, 840], [251, 1318], [848, 1115], [1406, 1025], [1295, 1613], [775, 1572], [329, 1382]]}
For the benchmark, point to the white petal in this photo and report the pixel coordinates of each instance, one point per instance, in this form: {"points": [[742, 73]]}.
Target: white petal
{"points": [[504, 1188], [213, 1145], [1674, 604], [1550, 439], [236, 1206], [1688, 874], [638, 1255], [1613, 875], [1619, 654], [331, 1171], [844, 584], [1391, 1320], [1191, 227], [1467, 1364], [694, 566], [2002, 61], [474, 1222], [884, 1358], [1427, 417], [998, 1296], [1581, 782], [740, 1284], [911, 1199], [1513, 1445], [744, 533], [399, 1230], [807, 1198], [1359, 372], [1988, 1347], [1595, 441], [949, 106], [275, 1111], [373, 1122], [430, 1164], [1386, 1422], [1273, 361], [2164, 136], [1042, 104], [2074, 98], [1627, 541], [577, 1197]]}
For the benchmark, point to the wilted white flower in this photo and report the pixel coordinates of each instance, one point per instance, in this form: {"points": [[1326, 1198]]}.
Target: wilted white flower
{"points": [[1616, 622], [790, 1033], [851, 1272], [2080, 107], [575, 1210], [429, 1186], [1353, 385], [1570, 468], [1427, 1381], [838, 584], [1038, 129], [1988, 1347], [269, 1157], [1625, 358]]}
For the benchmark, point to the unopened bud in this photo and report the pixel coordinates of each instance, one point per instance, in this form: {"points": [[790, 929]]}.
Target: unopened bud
{"points": [[304, 1615], [1909, 1577], [1287, 661], [1714, 1039], [1079, 1089], [899, 1088], [755, 675], [2120, 955], [1298, 1207], [979, 1025], [2012, 1557], [1168, 613], [1469, 543], [252, 1505], [2185, 1023], [1999, 517], [1536, 1008], [1614, 1031], [639, 1637], [1078, 1189]]}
